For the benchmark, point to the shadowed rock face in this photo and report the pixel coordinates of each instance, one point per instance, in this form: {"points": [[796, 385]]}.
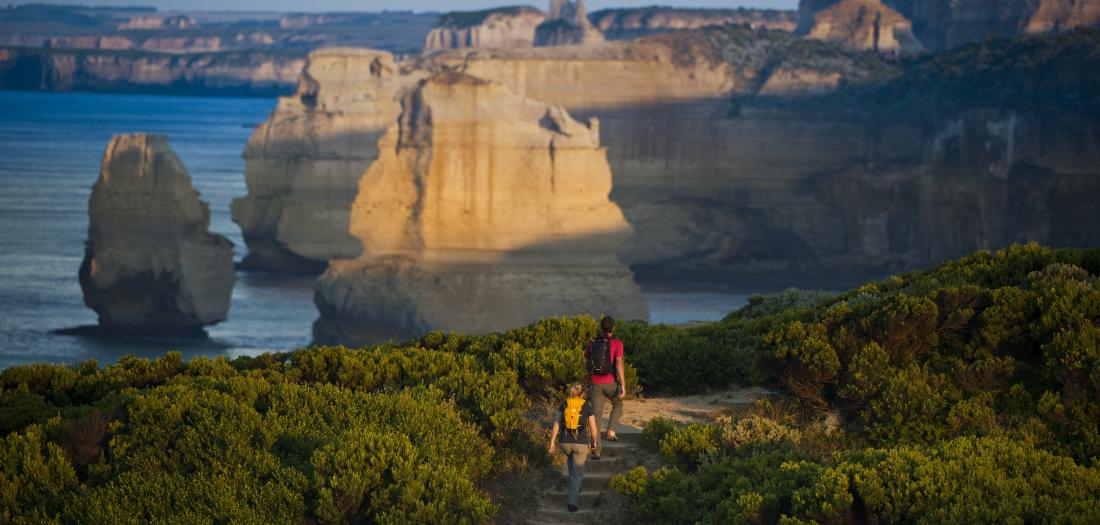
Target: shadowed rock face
{"points": [[942, 24], [485, 210], [150, 264], [816, 195]]}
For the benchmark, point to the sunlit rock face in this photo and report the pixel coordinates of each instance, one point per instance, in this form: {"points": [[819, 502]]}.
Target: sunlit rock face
{"points": [[150, 264], [798, 194], [485, 210], [865, 25], [302, 165], [505, 27], [567, 24]]}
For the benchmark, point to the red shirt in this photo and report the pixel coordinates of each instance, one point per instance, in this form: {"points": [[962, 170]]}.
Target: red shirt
{"points": [[616, 353]]}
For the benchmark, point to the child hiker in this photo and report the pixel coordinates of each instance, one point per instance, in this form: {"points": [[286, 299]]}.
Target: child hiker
{"points": [[576, 425]]}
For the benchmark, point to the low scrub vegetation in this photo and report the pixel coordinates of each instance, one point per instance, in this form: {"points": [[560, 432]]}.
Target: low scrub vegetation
{"points": [[967, 393], [963, 393]]}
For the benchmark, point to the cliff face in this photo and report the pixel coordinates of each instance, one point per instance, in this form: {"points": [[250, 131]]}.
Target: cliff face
{"points": [[827, 199], [567, 24], [302, 165], [721, 183], [250, 73], [946, 26], [941, 25], [865, 25], [485, 210], [506, 28], [150, 264], [622, 24]]}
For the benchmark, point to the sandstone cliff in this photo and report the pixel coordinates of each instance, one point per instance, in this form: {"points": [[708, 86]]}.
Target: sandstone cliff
{"points": [[234, 73], [503, 27], [728, 171], [150, 264], [941, 25], [865, 25], [628, 23], [485, 210], [567, 24], [302, 165]]}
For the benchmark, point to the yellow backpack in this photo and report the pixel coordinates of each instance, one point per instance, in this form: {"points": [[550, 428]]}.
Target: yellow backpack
{"points": [[573, 414]]}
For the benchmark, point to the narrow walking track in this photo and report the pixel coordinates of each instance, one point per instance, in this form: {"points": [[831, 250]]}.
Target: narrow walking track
{"points": [[618, 456], [625, 454]]}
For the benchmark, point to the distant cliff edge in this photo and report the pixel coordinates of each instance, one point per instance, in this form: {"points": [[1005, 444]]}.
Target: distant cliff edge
{"points": [[258, 73]]}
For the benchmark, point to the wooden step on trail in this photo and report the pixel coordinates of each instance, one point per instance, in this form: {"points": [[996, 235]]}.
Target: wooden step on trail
{"points": [[616, 458]]}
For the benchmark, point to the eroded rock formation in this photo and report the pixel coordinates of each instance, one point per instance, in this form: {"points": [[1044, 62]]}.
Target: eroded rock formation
{"points": [[567, 24], [720, 185], [485, 210], [150, 264], [302, 165], [865, 25], [941, 25], [504, 27]]}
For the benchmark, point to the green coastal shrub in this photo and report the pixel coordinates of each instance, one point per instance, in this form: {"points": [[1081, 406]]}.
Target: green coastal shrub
{"points": [[36, 480], [992, 343], [965, 480]]}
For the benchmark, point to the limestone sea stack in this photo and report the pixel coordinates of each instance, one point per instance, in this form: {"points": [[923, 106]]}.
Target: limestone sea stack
{"points": [[485, 210], [302, 165], [150, 264]]}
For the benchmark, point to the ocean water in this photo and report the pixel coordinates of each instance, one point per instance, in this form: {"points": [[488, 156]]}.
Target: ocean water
{"points": [[51, 145]]}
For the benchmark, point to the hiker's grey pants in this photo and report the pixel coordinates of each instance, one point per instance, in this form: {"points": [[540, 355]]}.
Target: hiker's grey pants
{"points": [[599, 394], [577, 454]]}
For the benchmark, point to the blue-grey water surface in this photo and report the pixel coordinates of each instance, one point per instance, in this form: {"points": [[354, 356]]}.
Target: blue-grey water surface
{"points": [[51, 145]]}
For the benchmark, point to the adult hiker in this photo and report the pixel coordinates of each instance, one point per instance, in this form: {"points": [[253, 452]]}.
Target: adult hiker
{"points": [[577, 428], [604, 360]]}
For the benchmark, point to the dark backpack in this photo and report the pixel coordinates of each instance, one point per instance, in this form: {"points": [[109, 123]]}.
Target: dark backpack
{"points": [[599, 356]]}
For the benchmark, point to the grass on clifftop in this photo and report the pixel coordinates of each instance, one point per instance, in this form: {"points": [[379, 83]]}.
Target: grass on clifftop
{"points": [[1057, 74], [757, 53], [464, 19], [967, 392]]}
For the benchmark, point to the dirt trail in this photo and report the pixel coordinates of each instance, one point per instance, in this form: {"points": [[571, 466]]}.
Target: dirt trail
{"points": [[598, 503]]}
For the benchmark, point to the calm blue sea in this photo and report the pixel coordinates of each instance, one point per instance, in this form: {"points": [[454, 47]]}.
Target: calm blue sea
{"points": [[51, 145]]}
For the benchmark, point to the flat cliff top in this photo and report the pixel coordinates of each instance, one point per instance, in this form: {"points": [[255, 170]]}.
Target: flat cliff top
{"points": [[863, 11], [645, 13], [598, 51], [463, 19]]}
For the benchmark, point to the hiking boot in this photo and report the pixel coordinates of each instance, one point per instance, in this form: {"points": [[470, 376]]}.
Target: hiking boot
{"points": [[572, 508]]}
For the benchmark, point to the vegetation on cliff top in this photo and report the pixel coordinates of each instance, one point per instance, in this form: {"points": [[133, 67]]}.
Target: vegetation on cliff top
{"points": [[464, 19], [757, 53], [968, 392], [1057, 74]]}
